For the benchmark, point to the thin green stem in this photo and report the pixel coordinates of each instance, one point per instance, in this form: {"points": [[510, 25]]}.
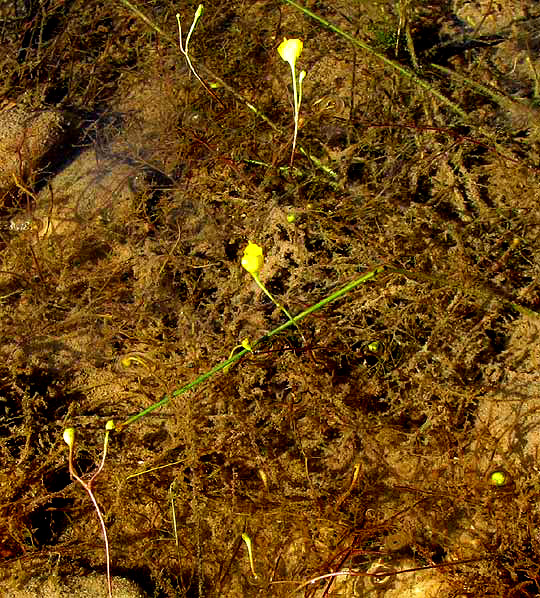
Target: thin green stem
{"points": [[271, 297], [196, 18], [481, 293], [396, 66]]}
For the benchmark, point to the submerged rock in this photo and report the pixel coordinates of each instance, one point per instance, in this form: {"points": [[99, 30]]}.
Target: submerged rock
{"points": [[83, 586], [29, 139]]}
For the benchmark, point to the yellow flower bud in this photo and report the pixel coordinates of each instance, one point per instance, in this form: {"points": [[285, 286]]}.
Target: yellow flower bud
{"points": [[69, 436], [253, 258], [290, 50], [498, 478]]}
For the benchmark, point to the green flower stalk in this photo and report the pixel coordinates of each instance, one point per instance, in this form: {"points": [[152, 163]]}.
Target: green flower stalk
{"points": [[253, 261]]}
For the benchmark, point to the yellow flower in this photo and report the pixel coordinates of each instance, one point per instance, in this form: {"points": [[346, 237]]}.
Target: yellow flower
{"points": [[253, 258], [498, 478], [69, 436], [290, 50]]}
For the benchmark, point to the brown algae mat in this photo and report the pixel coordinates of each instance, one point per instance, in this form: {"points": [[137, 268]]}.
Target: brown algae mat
{"points": [[281, 439]]}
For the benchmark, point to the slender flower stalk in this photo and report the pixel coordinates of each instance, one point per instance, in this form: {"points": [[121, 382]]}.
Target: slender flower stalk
{"points": [[290, 50], [184, 48], [253, 261], [69, 439]]}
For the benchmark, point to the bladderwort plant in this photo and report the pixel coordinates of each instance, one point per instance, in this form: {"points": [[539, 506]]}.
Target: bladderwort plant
{"points": [[248, 347], [253, 260], [69, 439], [290, 50]]}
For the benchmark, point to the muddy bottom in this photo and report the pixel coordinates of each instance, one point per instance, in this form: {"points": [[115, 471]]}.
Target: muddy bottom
{"points": [[356, 416]]}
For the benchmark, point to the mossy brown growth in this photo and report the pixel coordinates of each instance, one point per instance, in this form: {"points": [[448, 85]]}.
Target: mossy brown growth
{"points": [[362, 442]]}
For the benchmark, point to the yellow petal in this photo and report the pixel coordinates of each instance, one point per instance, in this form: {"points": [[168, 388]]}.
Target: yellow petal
{"points": [[290, 50], [253, 258], [69, 436]]}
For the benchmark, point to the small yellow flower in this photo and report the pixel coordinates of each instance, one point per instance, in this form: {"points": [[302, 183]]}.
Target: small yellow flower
{"points": [[253, 258], [290, 50]]}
